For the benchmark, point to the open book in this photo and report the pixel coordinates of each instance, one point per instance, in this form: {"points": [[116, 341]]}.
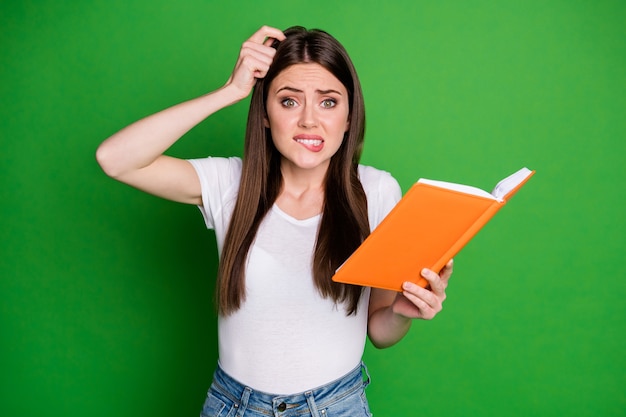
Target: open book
{"points": [[428, 227]]}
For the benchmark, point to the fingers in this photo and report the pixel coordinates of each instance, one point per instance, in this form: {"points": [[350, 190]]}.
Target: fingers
{"points": [[426, 302], [426, 297], [259, 48], [429, 302], [254, 60], [439, 282], [446, 272], [435, 282], [266, 35]]}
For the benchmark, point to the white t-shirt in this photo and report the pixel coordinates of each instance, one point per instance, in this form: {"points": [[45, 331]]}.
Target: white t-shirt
{"points": [[286, 338]]}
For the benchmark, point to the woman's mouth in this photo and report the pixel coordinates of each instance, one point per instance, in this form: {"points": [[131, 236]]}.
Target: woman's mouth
{"points": [[313, 143]]}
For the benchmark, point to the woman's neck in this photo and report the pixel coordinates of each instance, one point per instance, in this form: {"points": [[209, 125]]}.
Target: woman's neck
{"points": [[302, 192]]}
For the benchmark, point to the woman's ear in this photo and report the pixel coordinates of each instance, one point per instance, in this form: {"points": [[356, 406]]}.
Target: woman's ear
{"points": [[266, 119]]}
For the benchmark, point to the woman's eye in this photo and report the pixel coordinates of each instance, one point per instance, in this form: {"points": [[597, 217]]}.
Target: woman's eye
{"points": [[288, 102], [329, 103]]}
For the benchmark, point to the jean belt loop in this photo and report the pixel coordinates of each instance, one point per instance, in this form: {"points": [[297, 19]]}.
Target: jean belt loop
{"points": [[311, 402], [244, 401], [367, 380]]}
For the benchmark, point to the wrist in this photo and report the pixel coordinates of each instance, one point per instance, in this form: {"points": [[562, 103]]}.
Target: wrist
{"points": [[386, 327], [398, 319], [233, 93]]}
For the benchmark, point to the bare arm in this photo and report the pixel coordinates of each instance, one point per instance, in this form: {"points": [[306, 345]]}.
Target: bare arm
{"points": [[391, 313], [134, 155]]}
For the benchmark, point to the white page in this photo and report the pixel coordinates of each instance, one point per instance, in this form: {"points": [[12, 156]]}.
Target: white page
{"points": [[509, 183], [457, 187], [502, 188]]}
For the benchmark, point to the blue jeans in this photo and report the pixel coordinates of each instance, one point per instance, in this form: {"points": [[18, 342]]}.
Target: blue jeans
{"points": [[344, 397]]}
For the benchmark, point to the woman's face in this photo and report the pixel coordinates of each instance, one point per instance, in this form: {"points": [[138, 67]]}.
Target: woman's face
{"points": [[308, 113]]}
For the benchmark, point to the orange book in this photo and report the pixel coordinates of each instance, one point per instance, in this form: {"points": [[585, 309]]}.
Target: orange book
{"points": [[428, 227]]}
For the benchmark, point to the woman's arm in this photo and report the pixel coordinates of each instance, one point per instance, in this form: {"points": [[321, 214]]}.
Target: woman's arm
{"points": [[391, 313], [134, 155]]}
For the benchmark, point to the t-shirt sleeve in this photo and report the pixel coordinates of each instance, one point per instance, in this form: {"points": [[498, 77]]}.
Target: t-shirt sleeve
{"points": [[383, 193], [219, 182]]}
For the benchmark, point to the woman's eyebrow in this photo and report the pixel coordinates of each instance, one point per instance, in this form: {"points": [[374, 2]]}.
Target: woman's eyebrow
{"points": [[328, 91], [292, 89], [296, 90]]}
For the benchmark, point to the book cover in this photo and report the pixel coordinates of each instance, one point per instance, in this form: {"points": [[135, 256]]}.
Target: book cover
{"points": [[428, 227]]}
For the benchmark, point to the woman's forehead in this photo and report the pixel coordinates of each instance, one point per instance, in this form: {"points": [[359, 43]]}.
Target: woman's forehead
{"points": [[306, 76]]}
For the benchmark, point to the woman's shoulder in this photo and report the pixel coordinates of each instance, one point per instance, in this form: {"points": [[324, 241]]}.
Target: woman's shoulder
{"points": [[218, 162], [382, 191], [219, 169], [374, 178]]}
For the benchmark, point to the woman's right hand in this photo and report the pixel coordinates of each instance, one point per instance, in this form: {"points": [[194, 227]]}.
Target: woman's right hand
{"points": [[134, 155], [254, 60]]}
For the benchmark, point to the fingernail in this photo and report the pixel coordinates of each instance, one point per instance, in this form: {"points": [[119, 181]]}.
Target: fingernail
{"points": [[406, 285]]}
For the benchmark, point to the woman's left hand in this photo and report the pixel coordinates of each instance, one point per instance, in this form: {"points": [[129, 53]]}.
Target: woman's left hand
{"points": [[416, 302]]}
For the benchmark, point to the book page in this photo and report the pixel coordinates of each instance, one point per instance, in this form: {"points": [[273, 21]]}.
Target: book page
{"points": [[509, 183], [467, 189], [499, 192]]}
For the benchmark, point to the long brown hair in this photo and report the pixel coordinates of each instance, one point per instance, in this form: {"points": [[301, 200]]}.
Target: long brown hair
{"points": [[344, 222]]}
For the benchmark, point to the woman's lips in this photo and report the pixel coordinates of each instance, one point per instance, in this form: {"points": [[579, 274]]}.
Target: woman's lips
{"points": [[313, 143]]}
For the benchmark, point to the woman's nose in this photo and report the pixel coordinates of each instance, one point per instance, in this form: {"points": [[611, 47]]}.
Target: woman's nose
{"points": [[308, 117]]}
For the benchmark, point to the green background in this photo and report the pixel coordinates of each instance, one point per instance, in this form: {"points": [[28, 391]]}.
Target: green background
{"points": [[107, 293]]}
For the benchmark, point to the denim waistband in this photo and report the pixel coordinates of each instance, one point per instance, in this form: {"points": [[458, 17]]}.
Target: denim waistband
{"points": [[304, 403]]}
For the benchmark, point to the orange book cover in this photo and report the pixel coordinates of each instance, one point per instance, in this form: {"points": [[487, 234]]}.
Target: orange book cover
{"points": [[428, 227]]}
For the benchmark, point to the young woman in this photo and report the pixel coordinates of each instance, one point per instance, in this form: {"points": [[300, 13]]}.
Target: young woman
{"points": [[285, 217]]}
